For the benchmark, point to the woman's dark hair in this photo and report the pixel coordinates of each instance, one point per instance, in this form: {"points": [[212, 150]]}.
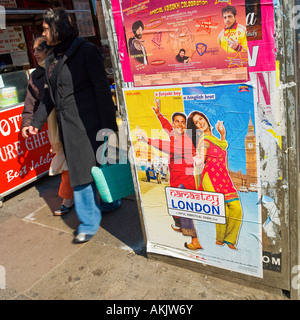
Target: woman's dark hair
{"points": [[191, 127], [61, 24]]}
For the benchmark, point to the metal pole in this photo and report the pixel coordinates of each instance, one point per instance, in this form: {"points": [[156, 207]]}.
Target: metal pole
{"points": [[287, 45]]}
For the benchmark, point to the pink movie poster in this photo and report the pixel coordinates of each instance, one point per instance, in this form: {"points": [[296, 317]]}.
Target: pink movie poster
{"points": [[186, 42]]}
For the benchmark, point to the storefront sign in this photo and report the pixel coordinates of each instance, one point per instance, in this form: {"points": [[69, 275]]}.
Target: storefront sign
{"points": [[22, 160], [8, 3], [12, 40]]}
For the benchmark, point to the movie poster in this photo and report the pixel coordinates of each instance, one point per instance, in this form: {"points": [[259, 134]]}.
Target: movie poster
{"points": [[195, 152], [187, 41]]}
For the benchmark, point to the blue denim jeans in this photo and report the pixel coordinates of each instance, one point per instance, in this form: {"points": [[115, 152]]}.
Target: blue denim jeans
{"points": [[88, 208]]}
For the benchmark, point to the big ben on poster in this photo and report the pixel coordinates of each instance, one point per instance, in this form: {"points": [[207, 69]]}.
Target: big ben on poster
{"points": [[250, 147]]}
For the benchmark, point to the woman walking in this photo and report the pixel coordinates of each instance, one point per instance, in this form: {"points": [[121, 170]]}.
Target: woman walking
{"points": [[78, 89]]}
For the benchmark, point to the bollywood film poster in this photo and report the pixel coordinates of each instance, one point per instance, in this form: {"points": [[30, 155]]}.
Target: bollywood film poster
{"points": [[181, 42], [195, 153]]}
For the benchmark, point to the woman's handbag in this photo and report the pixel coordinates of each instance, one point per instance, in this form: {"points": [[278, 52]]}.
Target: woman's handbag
{"points": [[113, 181]]}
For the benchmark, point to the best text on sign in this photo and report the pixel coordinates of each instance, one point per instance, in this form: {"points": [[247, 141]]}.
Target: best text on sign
{"points": [[21, 160], [198, 205]]}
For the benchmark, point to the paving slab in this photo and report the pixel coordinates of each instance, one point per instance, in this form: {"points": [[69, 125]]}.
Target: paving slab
{"points": [[121, 228], [102, 272], [31, 198], [86, 275], [44, 216], [29, 251]]}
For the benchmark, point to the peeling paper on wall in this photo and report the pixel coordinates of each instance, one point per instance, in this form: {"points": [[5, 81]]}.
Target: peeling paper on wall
{"points": [[273, 216], [269, 141]]}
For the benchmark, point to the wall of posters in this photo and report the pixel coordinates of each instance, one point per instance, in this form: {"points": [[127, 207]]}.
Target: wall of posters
{"points": [[195, 152], [186, 42], [186, 208]]}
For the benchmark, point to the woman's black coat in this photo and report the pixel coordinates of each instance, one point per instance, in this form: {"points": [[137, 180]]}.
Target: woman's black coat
{"points": [[34, 95], [83, 103]]}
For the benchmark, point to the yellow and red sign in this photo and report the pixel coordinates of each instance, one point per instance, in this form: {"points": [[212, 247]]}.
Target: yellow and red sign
{"points": [[22, 160]]}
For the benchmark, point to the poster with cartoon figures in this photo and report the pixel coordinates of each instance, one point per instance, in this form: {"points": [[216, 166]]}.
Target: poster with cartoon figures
{"points": [[181, 42], [195, 152]]}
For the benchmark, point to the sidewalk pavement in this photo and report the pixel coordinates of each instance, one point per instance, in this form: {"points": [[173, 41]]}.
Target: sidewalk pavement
{"points": [[38, 260]]}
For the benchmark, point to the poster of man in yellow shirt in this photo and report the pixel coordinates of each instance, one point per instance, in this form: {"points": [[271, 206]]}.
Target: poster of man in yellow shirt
{"points": [[233, 38]]}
